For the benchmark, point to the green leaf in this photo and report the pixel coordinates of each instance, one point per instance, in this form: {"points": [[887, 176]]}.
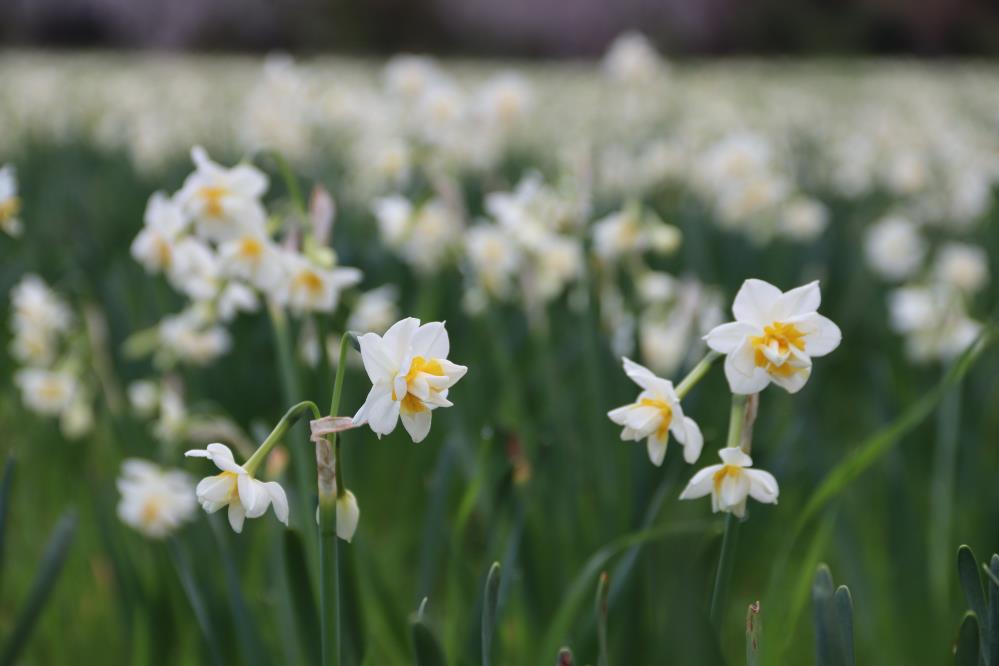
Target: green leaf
{"points": [[302, 598], [490, 608], [833, 647], [564, 657], [603, 584], [971, 583], [5, 485], [245, 624], [844, 611], [190, 587], [993, 626], [426, 648], [966, 650], [754, 632], [48, 573]]}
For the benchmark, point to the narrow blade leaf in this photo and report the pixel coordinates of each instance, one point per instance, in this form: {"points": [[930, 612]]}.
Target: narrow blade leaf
{"points": [[490, 608]]}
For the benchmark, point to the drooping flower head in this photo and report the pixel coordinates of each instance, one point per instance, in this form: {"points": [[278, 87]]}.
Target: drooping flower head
{"points": [[154, 501], [410, 376], [655, 415], [774, 337], [236, 488], [730, 483]]}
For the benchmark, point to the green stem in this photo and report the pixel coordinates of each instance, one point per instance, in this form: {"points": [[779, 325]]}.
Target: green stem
{"points": [[289, 419], [942, 494], [726, 559], [696, 374], [329, 559]]}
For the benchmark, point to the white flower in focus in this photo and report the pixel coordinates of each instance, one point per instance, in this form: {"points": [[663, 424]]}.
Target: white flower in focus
{"points": [[894, 248], [962, 265], [245, 496], [631, 58], [410, 376], [774, 337], [10, 202], [655, 415], [311, 288], [154, 501], [730, 483], [223, 202], [46, 392], [164, 223], [375, 310]]}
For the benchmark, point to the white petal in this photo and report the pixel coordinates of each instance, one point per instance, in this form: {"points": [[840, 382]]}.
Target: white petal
{"points": [[417, 424], [733, 455], [733, 490], [384, 414], [793, 382], [236, 516], [398, 339], [431, 341], [222, 457], [744, 377], [726, 338], [821, 334], [701, 484], [253, 496], [377, 364], [755, 302], [762, 486], [347, 516], [694, 440], [656, 447], [619, 415], [798, 301], [215, 489], [278, 499], [638, 373]]}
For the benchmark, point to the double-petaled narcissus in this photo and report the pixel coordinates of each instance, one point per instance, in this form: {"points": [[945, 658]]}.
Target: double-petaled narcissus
{"points": [[236, 488], [655, 415], [730, 483], [410, 376], [774, 337]]}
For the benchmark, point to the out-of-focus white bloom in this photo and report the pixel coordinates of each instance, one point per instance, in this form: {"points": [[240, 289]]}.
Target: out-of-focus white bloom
{"points": [[47, 392], [143, 396], [223, 202], [164, 223], [410, 76], [410, 376], [632, 59], [423, 236], [348, 514], [245, 496], [907, 173], [677, 314], [774, 337], [234, 298], [894, 248], [171, 426], [504, 100], [933, 321], [731, 483], [10, 202], [194, 269], [962, 265], [803, 219], [312, 288], [656, 287], [629, 231], [655, 415], [37, 307], [154, 501], [192, 338], [495, 258], [77, 419], [254, 257], [375, 310], [439, 110]]}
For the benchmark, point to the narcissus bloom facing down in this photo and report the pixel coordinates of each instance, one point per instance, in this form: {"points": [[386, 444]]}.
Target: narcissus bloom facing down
{"points": [[236, 488], [730, 483], [410, 376], [655, 415], [774, 337]]}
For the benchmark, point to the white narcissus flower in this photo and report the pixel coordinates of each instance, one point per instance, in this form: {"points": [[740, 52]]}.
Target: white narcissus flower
{"points": [[894, 248], [730, 483], [311, 288], [10, 203], [236, 488], [254, 257], [154, 501], [655, 415], [774, 337], [164, 222], [223, 202], [410, 376], [46, 391]]}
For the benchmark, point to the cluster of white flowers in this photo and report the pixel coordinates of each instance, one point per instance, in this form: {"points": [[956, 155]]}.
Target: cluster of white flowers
{"points": [[425, 236], [773, 339], [53, 352]]}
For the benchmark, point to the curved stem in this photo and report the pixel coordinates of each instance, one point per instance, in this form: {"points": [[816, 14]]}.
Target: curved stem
{"points": [[727, 557], [696, 374], [289, 418]]}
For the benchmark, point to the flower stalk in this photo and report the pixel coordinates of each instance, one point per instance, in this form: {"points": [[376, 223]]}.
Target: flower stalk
{"points": [[288, 420], [696, 374]]}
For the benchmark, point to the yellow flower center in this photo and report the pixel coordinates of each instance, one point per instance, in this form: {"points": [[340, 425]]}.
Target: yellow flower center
{"points": [[251, 248], [785, 336], [163, 252], [51, 389], [233, 486], [150, 512], [212, 194], [309, 281], [410, 403], [9, 208], [726, 471], [664, 409]]}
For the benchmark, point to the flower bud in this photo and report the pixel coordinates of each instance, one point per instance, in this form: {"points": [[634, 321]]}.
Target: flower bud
{"points": [[347, 515]]}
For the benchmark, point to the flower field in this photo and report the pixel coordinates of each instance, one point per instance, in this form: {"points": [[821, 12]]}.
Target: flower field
{"points": [[431, 362]]}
